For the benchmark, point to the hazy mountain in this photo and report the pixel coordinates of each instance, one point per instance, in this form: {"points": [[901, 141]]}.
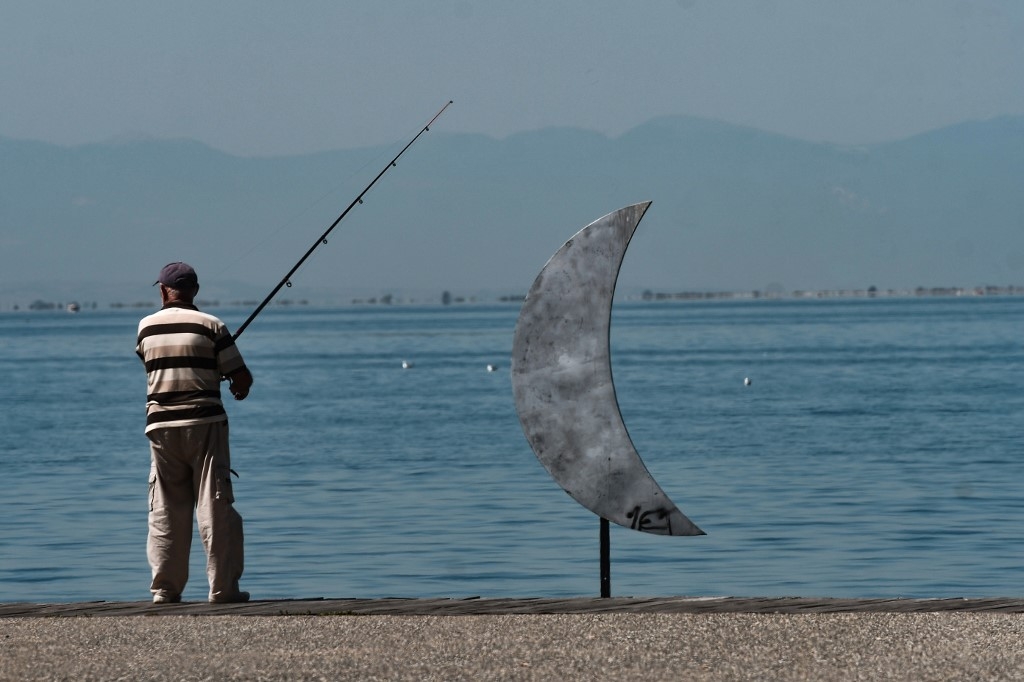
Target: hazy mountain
{"points": [[734, 209]]}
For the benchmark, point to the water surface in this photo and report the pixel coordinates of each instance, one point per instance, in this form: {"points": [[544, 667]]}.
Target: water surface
{"points": [[875, 453]]}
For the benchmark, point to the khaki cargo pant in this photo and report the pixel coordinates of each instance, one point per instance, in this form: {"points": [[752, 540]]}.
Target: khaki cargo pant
{"points": [[191, 469]]}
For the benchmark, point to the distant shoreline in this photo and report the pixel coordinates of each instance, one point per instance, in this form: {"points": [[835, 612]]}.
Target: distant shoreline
{"points": [[870, 292], [649, 295]]}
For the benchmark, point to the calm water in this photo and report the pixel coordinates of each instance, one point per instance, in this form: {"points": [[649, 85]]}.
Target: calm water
{"points": [[876, 453]]}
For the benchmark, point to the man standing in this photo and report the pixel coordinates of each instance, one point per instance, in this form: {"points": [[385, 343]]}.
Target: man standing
{"points": [[187, 353]]}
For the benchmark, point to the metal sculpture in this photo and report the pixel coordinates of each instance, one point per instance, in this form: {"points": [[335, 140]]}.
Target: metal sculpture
{"points": [[562, 382]]}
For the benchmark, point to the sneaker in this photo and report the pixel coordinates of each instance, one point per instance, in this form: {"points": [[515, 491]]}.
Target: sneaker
{"points": [[236, 598], [166, 598]]}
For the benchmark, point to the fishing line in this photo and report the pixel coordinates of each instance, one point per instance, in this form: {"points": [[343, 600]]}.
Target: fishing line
{"points": [[322, 239]]}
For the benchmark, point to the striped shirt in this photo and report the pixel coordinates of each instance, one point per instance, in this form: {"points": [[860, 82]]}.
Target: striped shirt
{"points": [[186, 352]]}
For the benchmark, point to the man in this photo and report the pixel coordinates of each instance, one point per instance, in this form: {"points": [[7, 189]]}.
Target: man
{"points": [[187, 353]]}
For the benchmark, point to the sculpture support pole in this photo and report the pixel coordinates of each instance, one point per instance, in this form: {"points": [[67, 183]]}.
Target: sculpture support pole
{"points": [[606, 560]]}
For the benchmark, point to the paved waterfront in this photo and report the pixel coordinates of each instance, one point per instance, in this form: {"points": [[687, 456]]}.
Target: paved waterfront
{"points": [[534, 606], [517, 639]]}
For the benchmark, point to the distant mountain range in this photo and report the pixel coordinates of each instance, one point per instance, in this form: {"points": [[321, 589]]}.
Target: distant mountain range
{"points": [[734, 209]]}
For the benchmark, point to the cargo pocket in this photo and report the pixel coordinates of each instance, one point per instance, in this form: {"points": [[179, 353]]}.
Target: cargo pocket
{"points": [[224, 492]]}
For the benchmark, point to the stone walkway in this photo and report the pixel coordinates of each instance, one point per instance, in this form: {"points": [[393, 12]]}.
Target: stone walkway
{"points": [[580, 639], [534, 606]]}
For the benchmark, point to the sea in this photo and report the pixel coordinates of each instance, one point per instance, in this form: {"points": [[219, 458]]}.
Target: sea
{"points": [[847, 447]]}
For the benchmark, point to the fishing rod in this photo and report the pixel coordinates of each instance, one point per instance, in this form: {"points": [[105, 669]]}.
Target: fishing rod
{"points": [[286, 280]]}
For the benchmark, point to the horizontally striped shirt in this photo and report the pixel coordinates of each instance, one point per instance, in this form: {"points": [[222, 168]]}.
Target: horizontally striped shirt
{"points": [[186, 352]]}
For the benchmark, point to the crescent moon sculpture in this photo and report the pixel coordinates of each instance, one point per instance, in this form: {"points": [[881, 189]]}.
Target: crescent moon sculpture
{"points": [[562, 382]]}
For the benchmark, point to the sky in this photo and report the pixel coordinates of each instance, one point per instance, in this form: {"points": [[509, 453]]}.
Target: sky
{"points": [[263, 78]]}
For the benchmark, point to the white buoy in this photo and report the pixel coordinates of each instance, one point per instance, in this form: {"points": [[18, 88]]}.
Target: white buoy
{"points": [[747, 381], [406, 364], [492, 368]]}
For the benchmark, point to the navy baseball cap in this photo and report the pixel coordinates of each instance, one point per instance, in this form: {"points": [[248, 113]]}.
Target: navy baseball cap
{"points": [[178, 276]]}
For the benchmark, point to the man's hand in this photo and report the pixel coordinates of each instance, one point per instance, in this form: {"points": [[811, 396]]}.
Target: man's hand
{"points": [[240, 383]]}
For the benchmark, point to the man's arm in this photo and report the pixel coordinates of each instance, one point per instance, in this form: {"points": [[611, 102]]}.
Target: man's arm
{"points": [[240, 381]]}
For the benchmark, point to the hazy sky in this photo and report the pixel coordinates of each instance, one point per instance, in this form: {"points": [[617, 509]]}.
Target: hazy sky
{"points": [[259, 78]]}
